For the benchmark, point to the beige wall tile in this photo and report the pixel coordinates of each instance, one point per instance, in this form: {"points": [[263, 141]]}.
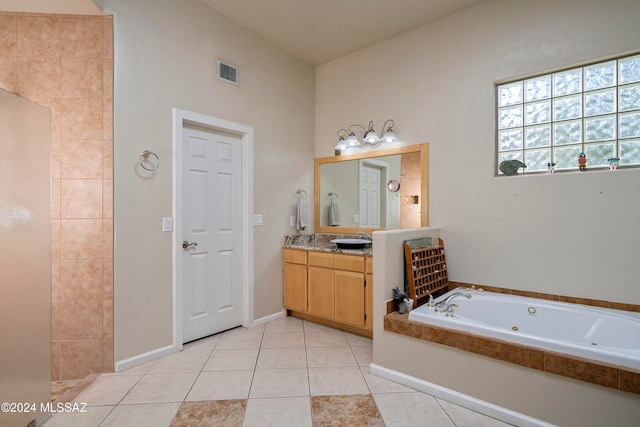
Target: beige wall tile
{"points": [[65, 63], [55, 158], [81, 118], [107, 158], [107, 78], [8, 35], [107, 37], [107, 318], [55, 279], [80, 358], [55, 361], [81, 198], [107, 237], [38, 36], [81, 77], [81, 37], [81, 279], [81, 158], [107, 278], [55, 198], [107, 355], [38, 77], [107, 198], [80, 320], [55, 239], [107, 118], [80, 238]]}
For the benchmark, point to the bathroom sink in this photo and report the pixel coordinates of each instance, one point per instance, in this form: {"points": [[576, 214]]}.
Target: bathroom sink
{"points": [[351, 243]]}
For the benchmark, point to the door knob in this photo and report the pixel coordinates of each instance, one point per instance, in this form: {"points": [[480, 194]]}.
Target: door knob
{"points": [[187, 245]]}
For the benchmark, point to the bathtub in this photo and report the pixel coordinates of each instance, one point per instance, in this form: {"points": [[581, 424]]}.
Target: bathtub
{"points": [[605, 335]]}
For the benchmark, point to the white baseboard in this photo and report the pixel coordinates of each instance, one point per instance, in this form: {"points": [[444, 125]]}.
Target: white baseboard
{"points": [[477, 405], [268, 318], [145, 357], [170, 349]]}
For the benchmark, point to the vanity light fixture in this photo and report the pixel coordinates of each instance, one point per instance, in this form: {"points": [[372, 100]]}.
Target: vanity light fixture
{"points": [[347, 137]]}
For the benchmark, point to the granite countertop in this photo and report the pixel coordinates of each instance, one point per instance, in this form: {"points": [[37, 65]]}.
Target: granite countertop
{"points": [[322, 242]]}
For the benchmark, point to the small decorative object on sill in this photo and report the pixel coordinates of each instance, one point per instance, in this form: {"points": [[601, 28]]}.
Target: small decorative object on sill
{"points": [[510, 167], [403, 303], [613, 163], [551, 167], [582, 161]]}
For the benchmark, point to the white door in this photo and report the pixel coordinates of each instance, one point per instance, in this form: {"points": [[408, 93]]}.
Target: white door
{"points": [[212, 232], [370, 196]]}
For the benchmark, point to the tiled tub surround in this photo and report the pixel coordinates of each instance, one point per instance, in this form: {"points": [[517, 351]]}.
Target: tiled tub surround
{"points": [[604, 374], [431, 360], [322, 242], [65, 63]]}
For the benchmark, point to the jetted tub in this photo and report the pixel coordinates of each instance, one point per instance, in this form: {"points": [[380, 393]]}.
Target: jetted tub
{"points": [[606, 335]]}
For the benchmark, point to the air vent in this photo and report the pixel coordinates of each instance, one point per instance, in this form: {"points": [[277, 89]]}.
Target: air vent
{"points": [[228, 73]]}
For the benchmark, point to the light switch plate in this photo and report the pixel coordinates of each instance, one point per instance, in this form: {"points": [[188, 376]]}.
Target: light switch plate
{"points": [[257, 219], [167, 223], [292, 221]]}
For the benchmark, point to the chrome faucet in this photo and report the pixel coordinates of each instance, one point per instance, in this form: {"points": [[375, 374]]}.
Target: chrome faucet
{"points": [[362, 233], [445, 305]]}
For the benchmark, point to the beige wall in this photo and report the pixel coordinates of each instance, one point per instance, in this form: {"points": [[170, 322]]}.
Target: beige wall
{"points": [[64, 62], [571, 234], [166, 55]]}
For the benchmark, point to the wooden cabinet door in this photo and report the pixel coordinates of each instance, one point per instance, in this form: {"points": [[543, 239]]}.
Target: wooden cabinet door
{"points": [[350, 297], [295, 287], [321, 292]]}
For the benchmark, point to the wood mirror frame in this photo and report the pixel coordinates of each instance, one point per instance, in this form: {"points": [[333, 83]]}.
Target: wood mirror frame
{"points": [[423, 149]]}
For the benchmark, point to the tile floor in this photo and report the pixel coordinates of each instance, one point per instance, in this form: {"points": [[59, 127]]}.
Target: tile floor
{"points": [[287, 372]]}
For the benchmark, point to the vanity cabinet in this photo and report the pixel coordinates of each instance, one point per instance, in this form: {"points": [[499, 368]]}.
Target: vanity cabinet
{"points": [[335, 289], [321, 295], [295, 279]]}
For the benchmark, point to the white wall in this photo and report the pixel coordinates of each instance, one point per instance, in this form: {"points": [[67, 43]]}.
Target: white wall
{"points": [[571, 234], [165, 57]]}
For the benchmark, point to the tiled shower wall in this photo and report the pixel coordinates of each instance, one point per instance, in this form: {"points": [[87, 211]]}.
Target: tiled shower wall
{"points": [[65, 62]]}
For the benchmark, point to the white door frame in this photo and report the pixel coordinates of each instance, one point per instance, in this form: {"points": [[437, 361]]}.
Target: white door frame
{"points": [[180, 119]]}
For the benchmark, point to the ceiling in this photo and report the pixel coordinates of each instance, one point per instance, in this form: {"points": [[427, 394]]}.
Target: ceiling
{"points": [[318, 31]]}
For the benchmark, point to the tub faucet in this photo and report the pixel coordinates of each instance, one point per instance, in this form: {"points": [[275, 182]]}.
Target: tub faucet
{"points": [[445, 305], [363, 233]]}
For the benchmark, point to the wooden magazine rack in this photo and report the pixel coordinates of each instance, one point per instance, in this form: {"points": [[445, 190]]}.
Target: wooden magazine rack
{"points": [[426, 269]]}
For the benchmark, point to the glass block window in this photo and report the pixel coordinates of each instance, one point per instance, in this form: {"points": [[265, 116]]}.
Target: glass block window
{"points": [[555, 117]]}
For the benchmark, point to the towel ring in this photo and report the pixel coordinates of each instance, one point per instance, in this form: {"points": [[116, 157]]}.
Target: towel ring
{"points": [[333, 194], [144, 158], [300, 191]]}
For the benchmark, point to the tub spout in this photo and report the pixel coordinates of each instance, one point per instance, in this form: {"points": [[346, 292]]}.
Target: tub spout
{"points": [[445, 305]]}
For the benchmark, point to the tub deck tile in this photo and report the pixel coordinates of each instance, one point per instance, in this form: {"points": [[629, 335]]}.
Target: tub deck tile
{"points": [[535, 358], [500, 350], [630, 380], [582, 369]]}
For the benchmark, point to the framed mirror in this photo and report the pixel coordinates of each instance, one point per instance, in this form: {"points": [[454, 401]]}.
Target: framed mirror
{"points": [[352, 192]]}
